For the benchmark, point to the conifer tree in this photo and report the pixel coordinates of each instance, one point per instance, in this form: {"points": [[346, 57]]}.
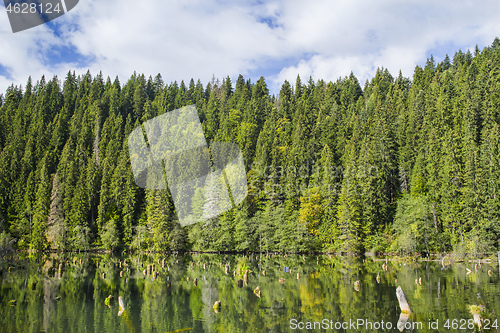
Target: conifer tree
{"points": [[41, 209]]}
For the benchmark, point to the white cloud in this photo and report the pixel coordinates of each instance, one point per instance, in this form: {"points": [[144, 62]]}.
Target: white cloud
{"points": [[183, 39], [20, 53], [360, 36], [178, 39]]}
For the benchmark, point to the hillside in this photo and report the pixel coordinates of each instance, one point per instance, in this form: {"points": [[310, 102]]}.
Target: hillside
{"points": [[399, 164]]}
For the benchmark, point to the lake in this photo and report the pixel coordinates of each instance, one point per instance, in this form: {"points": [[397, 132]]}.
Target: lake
{"points": [[176, 293]]}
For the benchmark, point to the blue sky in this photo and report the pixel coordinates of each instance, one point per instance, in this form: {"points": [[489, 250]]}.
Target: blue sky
{"points": [[277, 39]]}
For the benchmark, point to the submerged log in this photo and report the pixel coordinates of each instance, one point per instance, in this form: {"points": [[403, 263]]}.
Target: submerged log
{"points": [[403, 303], [403, 318]]}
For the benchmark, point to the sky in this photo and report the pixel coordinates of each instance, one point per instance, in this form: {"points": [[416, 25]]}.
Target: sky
{"points": [[277, 39]]}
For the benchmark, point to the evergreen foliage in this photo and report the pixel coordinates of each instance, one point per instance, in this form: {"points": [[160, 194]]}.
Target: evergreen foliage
{"points": [[406, 165]]}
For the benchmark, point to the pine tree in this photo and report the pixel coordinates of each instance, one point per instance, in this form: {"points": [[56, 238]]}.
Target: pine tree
{"points": [[159, 220]]}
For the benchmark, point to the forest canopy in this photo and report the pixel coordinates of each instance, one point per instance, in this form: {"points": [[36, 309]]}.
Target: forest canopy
{"points": [[407, 165]]}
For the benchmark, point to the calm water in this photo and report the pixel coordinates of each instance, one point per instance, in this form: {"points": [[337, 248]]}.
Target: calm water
{"points": [[168, 300]]}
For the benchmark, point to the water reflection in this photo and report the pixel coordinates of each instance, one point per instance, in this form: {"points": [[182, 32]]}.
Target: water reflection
{"points": [[227, 293]]}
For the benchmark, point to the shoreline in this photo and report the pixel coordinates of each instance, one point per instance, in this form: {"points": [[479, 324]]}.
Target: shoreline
{"points": [[440, 257]]}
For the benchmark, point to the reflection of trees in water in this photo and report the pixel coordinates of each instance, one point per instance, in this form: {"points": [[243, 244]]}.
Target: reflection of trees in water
{"points": [[167, 301], [51, 287], [209, 295]]}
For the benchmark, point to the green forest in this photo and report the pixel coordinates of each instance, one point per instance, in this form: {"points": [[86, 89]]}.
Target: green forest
{"points": [[400, 165]]}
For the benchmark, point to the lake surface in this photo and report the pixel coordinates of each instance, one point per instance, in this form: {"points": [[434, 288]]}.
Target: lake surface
{"points": [[35, 296]]}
